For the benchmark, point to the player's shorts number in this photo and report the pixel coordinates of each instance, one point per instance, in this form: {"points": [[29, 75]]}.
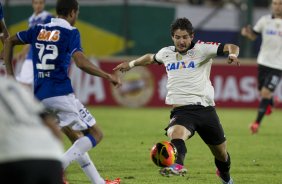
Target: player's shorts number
{"points": [[83, 112], [44, 57]]}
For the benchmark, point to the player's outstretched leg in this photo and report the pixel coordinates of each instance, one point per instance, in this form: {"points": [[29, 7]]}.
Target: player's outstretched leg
{"points": [[78, 152]]}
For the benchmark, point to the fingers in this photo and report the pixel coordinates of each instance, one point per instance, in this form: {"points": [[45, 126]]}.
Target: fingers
{"points": [[117, 85], [115, 80], [117, 67], [233, 59], [123, 67], [118, 82]]}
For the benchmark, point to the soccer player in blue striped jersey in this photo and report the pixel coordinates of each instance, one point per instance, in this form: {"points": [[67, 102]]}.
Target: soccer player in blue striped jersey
{"points": [[53, 45]]}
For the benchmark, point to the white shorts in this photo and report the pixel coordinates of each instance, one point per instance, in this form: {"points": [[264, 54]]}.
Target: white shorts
{"points": [[71, 112], [26, 74]]}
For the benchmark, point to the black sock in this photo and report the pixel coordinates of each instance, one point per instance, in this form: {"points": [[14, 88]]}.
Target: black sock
{"points": [[224, 168], [271, 101], [181, 150], [262, 108]]}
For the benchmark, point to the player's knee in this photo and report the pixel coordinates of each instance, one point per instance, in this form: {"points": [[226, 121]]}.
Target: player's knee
{"points": [[266, 93], [178, 132], [96, 133], [72, 135], [99, 136]]}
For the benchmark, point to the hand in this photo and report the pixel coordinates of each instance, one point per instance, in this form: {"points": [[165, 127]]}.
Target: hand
{"points": [[247, 30], [232, 59], [115, 80], [123, 67]]}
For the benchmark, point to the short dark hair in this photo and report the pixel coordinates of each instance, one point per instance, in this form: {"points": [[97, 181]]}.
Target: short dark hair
{"points": [[64, 7], [183, 24]]}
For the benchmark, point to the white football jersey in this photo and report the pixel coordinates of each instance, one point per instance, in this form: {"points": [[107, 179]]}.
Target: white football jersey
{"points": [[189, 75], [22, 132], [270, 53]]}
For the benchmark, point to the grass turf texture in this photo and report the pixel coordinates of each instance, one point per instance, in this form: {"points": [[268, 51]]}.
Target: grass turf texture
{"points": [[129, 135]]}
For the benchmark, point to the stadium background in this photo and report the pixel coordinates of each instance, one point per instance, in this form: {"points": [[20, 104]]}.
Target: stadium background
{"points": [[113, 31]]}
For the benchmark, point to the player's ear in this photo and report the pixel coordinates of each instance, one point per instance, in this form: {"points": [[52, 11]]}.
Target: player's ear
{"points": [[72, 13], [192, 36], [172, 37]]}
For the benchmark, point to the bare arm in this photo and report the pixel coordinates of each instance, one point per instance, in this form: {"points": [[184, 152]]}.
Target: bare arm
{"points": [[22, 54], [233, 51], [3, 31], [146, 59], [4, 34], [248, 33], [84, 64], [8, 55]]}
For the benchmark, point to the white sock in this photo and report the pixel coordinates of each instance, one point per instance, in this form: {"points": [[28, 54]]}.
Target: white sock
{"points": [[79, 147], [89, 169]]}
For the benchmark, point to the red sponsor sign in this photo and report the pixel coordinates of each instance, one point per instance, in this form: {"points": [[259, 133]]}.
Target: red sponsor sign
{"points": [[146, 86]]}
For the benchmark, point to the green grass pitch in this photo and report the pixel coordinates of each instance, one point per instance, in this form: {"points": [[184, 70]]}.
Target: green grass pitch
{"points": [[129, 135]]}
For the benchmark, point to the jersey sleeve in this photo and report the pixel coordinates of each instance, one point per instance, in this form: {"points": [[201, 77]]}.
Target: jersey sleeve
{"points": [[75, 44], [27, 35], [209, 48], [259, 25], [158, 57], [220, 50]]}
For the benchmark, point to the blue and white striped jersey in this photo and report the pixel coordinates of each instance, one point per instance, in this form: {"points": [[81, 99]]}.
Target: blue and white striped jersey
{"points": [[52, 46]]}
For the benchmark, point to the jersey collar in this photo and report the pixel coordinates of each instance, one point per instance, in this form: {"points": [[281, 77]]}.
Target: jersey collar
{"points": [[185, 52], [62, 23]]}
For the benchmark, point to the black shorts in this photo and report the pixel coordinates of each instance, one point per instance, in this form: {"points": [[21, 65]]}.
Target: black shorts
{"points": [[31, 172], [198, 118], [268, 77]]}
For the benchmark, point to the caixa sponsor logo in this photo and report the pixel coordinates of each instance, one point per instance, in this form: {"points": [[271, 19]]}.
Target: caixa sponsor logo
{"points": [[273, 32], [180, 65]]}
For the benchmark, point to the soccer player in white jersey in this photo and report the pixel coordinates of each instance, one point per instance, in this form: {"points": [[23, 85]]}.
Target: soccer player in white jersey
{"points": [[30, 140], [3, 29], [54, 44], [39, 16], [269, 59], [191, 94]]}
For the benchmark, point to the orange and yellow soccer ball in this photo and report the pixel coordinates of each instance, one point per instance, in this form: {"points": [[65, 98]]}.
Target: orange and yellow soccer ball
{"points": [[163, 154]]}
